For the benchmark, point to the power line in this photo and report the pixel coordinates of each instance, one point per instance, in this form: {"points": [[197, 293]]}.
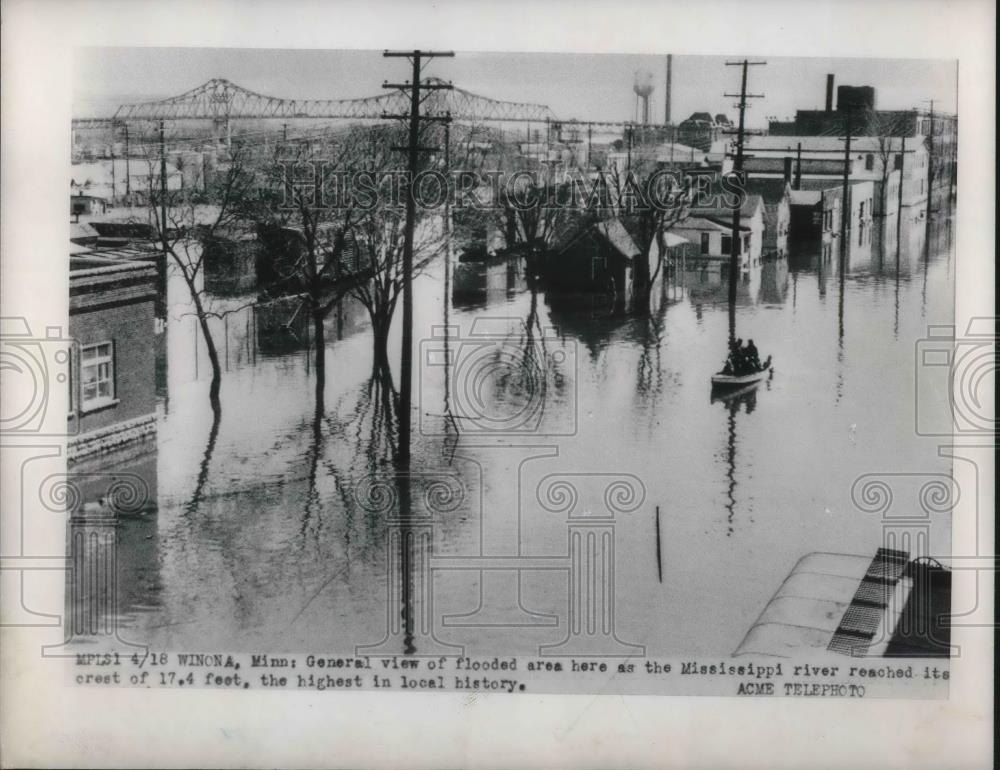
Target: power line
{"points": [[413, 149], [734, 250]]}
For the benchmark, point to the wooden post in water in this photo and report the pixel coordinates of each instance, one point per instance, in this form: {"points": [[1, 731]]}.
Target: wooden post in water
{"points": [[659, 559]]}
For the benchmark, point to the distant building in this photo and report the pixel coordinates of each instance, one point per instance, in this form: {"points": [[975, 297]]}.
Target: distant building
{"points": [[815, 217], [701, 129], [808, 225], [112, 180], [674, 154], [86, 205], [231, 257], [860, 98], [926, 130], [819, 162], [774, 193], [112, 393], [710, 229]]}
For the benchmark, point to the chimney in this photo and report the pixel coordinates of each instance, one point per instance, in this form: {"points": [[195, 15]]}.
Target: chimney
{"points": [[788, 169], [829, 93]]}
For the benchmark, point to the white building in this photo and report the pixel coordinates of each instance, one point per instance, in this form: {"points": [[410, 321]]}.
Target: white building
{"points": [[873, 159]]}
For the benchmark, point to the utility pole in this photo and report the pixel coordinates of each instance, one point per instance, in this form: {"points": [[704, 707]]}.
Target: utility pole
{"points": [[114, 184], [668, 89], [930, 156], [845, 208], [930, 181], [628, 136], [128, 170], [413, 150], [899, 206], [590, 138], [448, 224], [163, 185], [162, 259], [798, 167], [734, 252]]}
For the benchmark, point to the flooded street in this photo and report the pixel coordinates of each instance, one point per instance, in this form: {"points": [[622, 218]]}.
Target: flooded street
{"points": [[272, 525]]}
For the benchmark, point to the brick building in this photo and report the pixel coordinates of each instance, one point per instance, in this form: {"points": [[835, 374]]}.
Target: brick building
{"points": [[112, 391]]}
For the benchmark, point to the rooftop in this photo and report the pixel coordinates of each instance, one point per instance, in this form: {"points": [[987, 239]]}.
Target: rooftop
{"points": [[770, 189], [704, 223], [824, 144], [614, 232], [805, 197]]}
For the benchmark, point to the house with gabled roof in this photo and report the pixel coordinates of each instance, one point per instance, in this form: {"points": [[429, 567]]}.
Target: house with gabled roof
{"points": [[710, 229], [596, 257]]}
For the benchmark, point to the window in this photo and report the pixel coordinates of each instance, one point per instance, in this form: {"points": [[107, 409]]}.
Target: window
{"points": [[97, 375], [869, 162], [727, 244], [704, 243], [898, 161]]}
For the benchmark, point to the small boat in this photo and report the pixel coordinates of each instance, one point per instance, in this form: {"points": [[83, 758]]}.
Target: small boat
{"points": [[733, 394], [721, 380]]}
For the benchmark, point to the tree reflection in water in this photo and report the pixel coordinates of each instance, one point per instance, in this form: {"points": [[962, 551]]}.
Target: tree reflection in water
{"points": [[206, 460]]}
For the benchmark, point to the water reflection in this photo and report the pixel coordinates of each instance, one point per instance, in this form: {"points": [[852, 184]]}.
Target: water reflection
{"points": [[745, 398], [206, 463], [263, 538]]}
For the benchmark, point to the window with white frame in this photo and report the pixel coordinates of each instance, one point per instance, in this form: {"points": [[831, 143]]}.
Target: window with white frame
{"points": [[97, 375]]}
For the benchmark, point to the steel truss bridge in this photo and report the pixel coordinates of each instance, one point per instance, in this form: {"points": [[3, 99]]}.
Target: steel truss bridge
{"points": [[221, 101]]}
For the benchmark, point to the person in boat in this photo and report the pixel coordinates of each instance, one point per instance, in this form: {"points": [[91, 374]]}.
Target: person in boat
{"points": [[743, 360], [733, 360]]}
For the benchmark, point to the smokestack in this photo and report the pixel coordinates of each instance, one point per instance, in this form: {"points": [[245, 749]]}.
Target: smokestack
{"points": [[670, 66], [829, 93]]}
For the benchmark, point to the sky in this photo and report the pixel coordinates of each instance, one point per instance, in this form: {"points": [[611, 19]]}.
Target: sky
{"points": [[581, 86]]}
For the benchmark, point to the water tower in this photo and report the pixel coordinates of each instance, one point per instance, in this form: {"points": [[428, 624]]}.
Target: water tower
{"points": [[643, 87]]}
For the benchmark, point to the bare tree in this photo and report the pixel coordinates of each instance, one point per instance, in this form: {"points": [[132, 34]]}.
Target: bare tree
{"points": [[379, 235], [307, 223], [525, 200], [649, 203], [886, 131], [183, 221]]}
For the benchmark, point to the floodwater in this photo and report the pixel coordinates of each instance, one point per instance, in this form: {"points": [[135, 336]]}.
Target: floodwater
{"points": [[278, 528]]}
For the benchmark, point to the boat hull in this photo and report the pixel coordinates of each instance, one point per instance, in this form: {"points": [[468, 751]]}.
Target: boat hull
{"points": [[732, 381]]}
